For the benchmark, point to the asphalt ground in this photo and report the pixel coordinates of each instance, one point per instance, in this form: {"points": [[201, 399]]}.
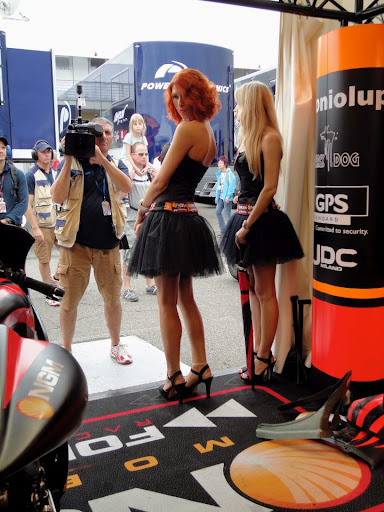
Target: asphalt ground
{"points": [[218, 298]]}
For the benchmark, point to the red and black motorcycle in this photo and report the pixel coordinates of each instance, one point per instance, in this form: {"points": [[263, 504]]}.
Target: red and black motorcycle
{"points": [[43, 390]]}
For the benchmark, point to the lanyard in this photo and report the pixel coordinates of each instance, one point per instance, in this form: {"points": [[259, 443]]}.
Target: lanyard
{"points": [[101, 190], [2, 185]]}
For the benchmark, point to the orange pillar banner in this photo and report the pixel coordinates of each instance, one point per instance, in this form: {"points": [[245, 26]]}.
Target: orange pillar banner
{"points": [[348, 284]]}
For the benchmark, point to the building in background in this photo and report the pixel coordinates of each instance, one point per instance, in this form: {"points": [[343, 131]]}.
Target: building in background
{"points": [[134, 80]]}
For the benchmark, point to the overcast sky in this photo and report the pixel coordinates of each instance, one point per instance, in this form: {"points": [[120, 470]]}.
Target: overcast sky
{"points": [[105, 28]]}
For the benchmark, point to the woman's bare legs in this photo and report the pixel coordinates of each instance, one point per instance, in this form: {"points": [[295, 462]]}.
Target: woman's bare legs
{"points": [[254, 305], [170, 324], [264, 308], [195, 329]]}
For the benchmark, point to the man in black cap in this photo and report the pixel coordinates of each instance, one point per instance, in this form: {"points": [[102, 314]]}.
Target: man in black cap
{"points": [[13, 189], [41, 212]]}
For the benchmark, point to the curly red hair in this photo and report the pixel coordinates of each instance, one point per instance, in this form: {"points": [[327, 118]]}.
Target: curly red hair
{"points": [[199, 93]]}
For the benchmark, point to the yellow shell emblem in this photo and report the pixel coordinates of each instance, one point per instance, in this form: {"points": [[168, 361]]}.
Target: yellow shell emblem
{"points": [[298, 474], [36, 408]]}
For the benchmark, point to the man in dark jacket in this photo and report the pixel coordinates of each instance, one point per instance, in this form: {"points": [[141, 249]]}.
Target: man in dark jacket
{"points": [[13, 191]]}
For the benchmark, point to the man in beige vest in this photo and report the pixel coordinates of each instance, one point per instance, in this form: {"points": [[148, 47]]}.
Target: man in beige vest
{"points": [[41, 212], [89, 226]]}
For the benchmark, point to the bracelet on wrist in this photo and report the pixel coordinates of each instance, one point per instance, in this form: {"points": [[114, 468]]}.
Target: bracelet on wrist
{"points": [[142, 208], [246, 225]]}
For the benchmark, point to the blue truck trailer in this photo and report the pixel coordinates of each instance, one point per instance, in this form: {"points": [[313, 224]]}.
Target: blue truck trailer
{"points": [[134, 81], [27, 99]]}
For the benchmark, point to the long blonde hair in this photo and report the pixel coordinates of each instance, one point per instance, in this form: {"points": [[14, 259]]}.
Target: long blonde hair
{"points": [[257, 113], [140, 119]]}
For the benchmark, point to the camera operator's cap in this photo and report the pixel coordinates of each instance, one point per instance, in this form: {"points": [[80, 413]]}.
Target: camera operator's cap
{"points": [[42, 145], [4, 140]]}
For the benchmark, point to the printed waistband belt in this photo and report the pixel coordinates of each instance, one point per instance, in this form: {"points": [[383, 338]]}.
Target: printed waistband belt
{"points": [[244, 209], [175, 207]]}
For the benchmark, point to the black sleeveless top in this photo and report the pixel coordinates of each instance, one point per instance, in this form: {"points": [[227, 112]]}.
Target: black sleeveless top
{"points": [[250, 186], [183, 182]]}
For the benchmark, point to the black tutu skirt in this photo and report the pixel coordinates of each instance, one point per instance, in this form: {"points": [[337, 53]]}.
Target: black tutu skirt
{"points": [[175, 243], [271, 239]]}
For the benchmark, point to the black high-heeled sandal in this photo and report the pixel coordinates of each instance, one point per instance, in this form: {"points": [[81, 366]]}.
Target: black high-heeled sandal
{"points": [[243, 369], [192, 390], [178, 388], [244, 374], [257, 379]]}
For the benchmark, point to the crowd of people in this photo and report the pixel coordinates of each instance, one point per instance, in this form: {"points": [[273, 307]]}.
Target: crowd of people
{"points": [[87, 207]]}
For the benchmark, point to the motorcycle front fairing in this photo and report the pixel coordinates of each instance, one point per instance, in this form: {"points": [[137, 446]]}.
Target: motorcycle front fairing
{"points": [[16, 310], [43, 396]]}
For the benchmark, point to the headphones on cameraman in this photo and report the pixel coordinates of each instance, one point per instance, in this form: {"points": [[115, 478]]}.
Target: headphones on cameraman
{"points": [[34, 150]]}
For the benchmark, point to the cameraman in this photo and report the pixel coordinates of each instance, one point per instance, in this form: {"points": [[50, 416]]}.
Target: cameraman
{"points": [[89, 226]]}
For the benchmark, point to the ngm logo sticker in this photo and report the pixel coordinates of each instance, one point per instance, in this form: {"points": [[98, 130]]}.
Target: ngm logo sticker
{"points": [[37, 404], [170, 68], [329, 158]]}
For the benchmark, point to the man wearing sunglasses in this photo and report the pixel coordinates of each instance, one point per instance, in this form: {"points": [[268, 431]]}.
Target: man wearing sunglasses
{"points": [[140, 182]]}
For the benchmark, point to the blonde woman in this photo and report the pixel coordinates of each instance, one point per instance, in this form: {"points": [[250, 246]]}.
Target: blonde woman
{"points": [[259, 235]]}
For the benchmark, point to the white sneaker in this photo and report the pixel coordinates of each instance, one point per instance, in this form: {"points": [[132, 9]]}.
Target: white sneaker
{"points": [[152, 290], [52, 302], [130, 296], [121, 355]]}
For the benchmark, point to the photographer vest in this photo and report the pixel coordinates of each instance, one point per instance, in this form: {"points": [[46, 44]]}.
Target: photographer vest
{"points": [[68, 217], [43, 206]]}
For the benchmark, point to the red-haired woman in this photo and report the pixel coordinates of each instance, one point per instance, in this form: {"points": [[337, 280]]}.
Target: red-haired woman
{"points": [[174, 242]]}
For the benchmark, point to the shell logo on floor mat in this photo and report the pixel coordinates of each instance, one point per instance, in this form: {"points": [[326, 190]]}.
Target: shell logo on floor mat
{"points": [[298, 474], [217, 463]]}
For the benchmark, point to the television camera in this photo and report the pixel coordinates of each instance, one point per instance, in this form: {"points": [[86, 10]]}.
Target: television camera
{"points": [[80, 137]]}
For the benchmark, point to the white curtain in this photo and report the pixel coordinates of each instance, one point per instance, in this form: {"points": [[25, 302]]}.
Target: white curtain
{"points": [[295, 104]]}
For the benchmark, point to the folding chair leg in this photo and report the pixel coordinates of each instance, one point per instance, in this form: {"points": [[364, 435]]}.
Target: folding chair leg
{"points": [[314, 426]]}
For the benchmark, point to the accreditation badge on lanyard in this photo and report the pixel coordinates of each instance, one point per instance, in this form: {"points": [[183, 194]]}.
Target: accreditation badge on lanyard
{"points": [[106, 208], [3, 206], [104, 204]]}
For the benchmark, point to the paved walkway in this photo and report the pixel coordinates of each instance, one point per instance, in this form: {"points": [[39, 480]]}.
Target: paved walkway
{"points": [[104, 374]]}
